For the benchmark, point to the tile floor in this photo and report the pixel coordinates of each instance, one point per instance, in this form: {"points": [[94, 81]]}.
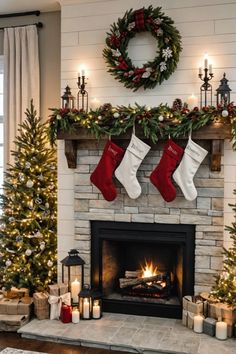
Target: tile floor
{"points": [[136, 334]]}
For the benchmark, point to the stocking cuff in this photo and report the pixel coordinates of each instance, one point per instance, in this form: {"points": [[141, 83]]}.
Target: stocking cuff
{"points": [[173, 150], [138, 147], [114, 150], [194, 150]]}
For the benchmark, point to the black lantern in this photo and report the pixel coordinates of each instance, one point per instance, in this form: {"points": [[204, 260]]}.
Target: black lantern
{"points": [[223, 92], [75, 266], [96, 305], [67, 99], [85, 303]]}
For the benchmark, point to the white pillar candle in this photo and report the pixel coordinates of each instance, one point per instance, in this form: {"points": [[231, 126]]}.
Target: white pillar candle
{"points": [[200, 71], [95, 103], [221, 330], [96, 310], [210, 68], [75, 316], [86, 308], [192, 101], [75, 289], [206, 61], [198, 324]]}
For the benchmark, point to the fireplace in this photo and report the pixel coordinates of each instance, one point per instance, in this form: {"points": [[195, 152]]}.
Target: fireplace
{"points": [[119, 252]]}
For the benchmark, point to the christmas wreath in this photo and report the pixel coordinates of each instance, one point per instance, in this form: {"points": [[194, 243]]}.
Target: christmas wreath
{"points": [[168, 48]]}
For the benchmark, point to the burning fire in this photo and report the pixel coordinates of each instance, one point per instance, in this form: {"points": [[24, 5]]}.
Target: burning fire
{"points": [[149, 270]]}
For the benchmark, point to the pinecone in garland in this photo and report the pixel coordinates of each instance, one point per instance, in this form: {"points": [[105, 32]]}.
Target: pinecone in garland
{"points": [[177, 105]]}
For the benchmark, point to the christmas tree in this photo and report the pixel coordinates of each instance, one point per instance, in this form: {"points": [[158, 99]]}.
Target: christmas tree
{"points": [[28, 220], [225, 287]]}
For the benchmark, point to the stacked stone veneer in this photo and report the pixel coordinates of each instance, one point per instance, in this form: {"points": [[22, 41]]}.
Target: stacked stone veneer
{"points": [[206, 212]]}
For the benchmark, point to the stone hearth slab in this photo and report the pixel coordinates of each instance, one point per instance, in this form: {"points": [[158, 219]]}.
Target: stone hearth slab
{"points": [[136, 334]]}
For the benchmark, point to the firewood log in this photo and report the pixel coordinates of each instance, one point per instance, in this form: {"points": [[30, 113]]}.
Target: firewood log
{"points": [[124, 282], [133, 274]]}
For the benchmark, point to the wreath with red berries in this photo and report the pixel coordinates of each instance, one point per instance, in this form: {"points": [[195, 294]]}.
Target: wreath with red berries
{"points": [[152, 72]]}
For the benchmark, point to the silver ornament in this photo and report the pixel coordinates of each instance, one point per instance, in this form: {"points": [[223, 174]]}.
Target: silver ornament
{"points": [[42, 246], [29, 183], [21, 177], [11, 219], [28, 252], [38, 234], [8, 263], [49, 263], [225, 113], [38, 201], [27, 164], [47, 205]]}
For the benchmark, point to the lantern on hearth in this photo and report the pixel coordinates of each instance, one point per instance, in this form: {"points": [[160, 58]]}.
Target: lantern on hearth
{"points": [[85, 303], [223, 92], [96, 305], [68, 100], [75, 273]]}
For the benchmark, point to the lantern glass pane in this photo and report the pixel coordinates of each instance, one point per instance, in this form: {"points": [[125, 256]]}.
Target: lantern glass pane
{"points": [[76, 273]]}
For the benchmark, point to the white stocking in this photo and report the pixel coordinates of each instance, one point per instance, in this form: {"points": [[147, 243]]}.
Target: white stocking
{"points": [[193, 156], [126, 172]]}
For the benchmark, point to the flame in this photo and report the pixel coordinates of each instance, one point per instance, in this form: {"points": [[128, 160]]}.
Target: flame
{"points": [[149, 270]]}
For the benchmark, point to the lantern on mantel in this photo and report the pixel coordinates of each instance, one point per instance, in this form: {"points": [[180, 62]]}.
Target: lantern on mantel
{"points": [[68, 100], [96, 305], [85, 303], [223, 92], [75, 273]]}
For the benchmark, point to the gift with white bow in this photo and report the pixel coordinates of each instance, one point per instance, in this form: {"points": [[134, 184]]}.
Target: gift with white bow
{"points": [[56, 304]]}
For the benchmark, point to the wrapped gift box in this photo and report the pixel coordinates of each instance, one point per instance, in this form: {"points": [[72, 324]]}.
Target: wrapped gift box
{"points": [[226, 313], [193, 304], [11, 323], [16, 306], [58, 289], [41, 305], [209, 326], [185, 318], [190, 319]]}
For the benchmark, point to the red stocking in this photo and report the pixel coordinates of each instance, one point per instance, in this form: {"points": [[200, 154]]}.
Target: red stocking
{"points": [[161, 176], [102, 175]]}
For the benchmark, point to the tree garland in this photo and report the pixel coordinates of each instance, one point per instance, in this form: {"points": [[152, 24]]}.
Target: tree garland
{"points": [[155, 122], [168, 48]]}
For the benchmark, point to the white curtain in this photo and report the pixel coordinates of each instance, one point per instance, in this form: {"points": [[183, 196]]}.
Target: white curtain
{"points": [[21, 80]]}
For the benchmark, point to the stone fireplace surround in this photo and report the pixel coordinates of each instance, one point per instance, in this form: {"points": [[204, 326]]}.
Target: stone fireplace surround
{"points": [[206, 212]]}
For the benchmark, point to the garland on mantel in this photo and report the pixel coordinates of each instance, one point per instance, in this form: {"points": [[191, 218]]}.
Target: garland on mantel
{"points": [[155, 122]]}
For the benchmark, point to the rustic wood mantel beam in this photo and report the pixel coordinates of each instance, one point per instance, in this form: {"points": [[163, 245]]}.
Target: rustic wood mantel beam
{"points": [[215, 132]]}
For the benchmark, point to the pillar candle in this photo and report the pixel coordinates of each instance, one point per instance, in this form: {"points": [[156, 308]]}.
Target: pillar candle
{"points": [[198, 324], [66, 313], [96, 310], [86, 308], [75, 289], [75, 315], [221, 330], [192, 101], [95, 103]]}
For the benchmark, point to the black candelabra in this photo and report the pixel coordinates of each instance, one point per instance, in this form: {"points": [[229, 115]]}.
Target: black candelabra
{"points": [[206, 87], [82, 96]]}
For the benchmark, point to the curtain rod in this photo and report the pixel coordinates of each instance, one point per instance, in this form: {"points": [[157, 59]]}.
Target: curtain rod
{"points": [[38, 25], [18, 14]]}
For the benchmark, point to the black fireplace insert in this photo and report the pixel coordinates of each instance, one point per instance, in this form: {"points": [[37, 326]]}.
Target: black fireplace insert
{"points": [[143, 268]]}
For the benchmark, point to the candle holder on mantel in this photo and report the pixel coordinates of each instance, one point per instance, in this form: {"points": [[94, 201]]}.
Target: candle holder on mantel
{"points": [[206, 87], [82, 96]]}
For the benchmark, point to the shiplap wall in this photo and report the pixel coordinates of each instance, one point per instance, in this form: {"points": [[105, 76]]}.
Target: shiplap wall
{"points": [[205, 26]]}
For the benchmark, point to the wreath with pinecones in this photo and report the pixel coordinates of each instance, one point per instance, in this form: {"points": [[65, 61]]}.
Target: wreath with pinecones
{"points": [[152, 72]]}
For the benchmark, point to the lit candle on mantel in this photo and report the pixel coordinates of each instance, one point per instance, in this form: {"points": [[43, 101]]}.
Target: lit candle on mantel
{"points": [[75, 315], [192, 101], [96, 310], [95, 103], [75, 289], [206, 61]]}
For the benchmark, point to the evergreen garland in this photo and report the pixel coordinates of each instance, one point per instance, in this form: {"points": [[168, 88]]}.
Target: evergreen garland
{"points": [[153, 72], [160, 121]]}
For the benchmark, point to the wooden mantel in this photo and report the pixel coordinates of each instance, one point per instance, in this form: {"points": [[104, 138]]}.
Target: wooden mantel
{"points": [[215, 132]]}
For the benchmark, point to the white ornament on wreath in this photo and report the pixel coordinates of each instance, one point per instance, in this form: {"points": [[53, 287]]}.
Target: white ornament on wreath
{"points": [[8, 262], [28, 252], [160, 118], [49, 263]]}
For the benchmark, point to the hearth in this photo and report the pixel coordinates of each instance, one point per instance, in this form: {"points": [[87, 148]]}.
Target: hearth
{"points": [[142, 268]]}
